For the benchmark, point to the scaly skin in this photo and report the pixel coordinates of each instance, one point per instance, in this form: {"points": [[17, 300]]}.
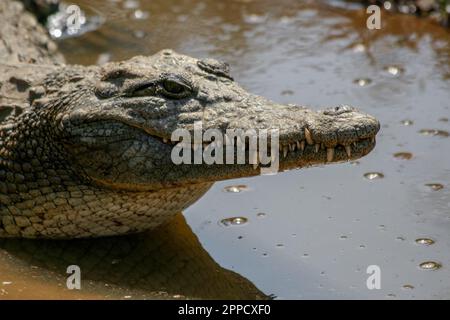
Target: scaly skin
{"points": [[90, 155]]}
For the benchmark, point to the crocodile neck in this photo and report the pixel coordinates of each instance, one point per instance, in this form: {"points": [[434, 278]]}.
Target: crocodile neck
{"points": [[43, 195]]}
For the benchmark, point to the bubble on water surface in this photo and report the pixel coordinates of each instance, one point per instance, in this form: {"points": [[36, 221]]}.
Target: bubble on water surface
{"points": [[362, 82], [394, 70], [287, 93], [139, 34], [373, 175], [254, 18], [236, 188], [403, 155], [407, 122], [434, 186], [425, 241], [359, 47], [234, 221], [434, 132], [430, 265], [261, 215], [140, 15], [408, 287], [131, 4]]}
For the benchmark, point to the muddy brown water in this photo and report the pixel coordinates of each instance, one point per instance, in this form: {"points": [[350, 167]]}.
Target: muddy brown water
{"points": [[308, 233]]}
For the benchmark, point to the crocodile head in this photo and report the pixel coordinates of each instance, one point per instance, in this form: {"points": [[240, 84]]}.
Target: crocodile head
{"points": [[120, 133]]}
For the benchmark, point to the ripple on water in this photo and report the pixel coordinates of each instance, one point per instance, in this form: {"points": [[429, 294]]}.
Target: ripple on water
{"points": [[430, 265], [233, 221], [425, 241], [362, 82], [373, 175], [403, 155], [434, 132], [434, 186], [236, 189]]}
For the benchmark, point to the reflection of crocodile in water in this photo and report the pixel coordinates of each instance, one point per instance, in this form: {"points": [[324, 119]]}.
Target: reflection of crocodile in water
{"points": [[164, 264], [85, 150]]}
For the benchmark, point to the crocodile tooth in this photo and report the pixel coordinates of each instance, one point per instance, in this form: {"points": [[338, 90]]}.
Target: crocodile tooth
{"points": [[373, 139], [348, 149], [292, 147], [330, 154], [165, 140], [302, 145], [299, 145], [354, 144], [317, 146], [285, 151], [308, 136]]}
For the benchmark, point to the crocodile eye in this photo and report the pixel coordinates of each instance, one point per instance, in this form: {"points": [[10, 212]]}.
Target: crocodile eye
{"points": [[175, 89]]}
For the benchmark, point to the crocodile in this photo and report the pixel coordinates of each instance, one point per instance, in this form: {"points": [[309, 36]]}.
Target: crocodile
{"points": [[85, 151]]}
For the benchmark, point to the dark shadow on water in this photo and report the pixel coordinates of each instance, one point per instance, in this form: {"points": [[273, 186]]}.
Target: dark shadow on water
{"points": [[167, 263]]}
